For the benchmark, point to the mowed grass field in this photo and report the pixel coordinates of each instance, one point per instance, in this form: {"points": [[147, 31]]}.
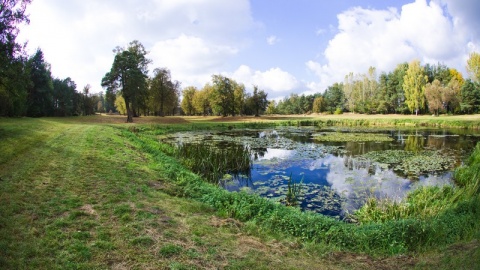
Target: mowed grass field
{"points": [[75, 193]]}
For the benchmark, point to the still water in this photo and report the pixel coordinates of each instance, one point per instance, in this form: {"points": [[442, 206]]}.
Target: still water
{"points": [[335, 178]]}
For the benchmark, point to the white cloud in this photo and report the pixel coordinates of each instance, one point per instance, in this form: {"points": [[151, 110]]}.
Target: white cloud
{"points": [[272, 40], [77, 36], [274, 79], [385, 38], [192, 60]]}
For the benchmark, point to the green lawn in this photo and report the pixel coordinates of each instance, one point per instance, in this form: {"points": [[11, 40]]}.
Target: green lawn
{"points": [[75, 193]]}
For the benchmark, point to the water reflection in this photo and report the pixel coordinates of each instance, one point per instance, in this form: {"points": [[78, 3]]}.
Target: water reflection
{"points": [[334, 180]]}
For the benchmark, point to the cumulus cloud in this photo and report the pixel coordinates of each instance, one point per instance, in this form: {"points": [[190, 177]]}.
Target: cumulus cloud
{"points": [[385, 38], [273, 80], [77, 36], [192, 60]]}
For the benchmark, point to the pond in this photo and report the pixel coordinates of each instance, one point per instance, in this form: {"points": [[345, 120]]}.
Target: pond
{"points": [[334, 171]]}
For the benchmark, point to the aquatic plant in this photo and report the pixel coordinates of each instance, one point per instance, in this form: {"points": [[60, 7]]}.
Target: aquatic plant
{"points": [[412, 164], [213, 162], [351, 137], [294, 192]]}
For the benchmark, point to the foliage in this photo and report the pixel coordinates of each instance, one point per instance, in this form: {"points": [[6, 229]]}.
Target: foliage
{"points": [[164, 94], [294, 191], [120, 105], [187, 105], [212, 162], [127, 76], [414, 83], [473, 66], [351, 137]]}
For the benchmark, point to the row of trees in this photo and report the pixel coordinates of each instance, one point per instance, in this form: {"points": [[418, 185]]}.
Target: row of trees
{"points": [[224, 96], [27, 87], [135, 93], [409, 88], [128, 85]]}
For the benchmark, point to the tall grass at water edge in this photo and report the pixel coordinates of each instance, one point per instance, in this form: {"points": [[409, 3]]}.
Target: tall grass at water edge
{"points": [[212, 162], [428, 201], [456, 222]]}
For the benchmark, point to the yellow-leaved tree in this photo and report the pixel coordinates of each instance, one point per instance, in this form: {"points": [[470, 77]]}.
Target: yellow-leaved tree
{"points": [[414, 83]]}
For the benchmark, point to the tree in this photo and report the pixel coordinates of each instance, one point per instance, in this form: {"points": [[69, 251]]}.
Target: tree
{"points": [[433, 93], [40, 95], [120, 105], [64, 100], [188, 94], [271, 107], [395, 87], [473, 67], [14, 75], [334, 98], [223, 97], [128, 75], [414, 83], [318, 105], [470, 97], [163, 91], [201, 100], [258, 100], [239, 95]]}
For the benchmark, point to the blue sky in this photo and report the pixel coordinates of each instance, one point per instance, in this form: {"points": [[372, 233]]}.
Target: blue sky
{"points": [[283, 46]]}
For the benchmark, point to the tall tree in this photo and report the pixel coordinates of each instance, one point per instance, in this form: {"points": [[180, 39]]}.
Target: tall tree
{"points": [[433, 93], [470, 97], [64, 100], [239, 95], [202, 100], [163, 91], [128, 75], [258, 100], [14, 78], [414, 83], [473, 67], [223, 97], [334, 98], [188, 94], [318, 105], [40, 95]]}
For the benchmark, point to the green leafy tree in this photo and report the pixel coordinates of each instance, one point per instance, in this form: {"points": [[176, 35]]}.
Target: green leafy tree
{"points": [[470, 97], [163, 91], [414, 83], [15, 81], [202, 100], [240, 96], [334, 98], [64, 100], [223, 97], [128, 75], [258, 101], [187, 102], [40, 95], [271, 107]]}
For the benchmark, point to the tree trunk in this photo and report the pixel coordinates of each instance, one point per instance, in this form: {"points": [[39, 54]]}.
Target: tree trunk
{"points": [[129, 112]]}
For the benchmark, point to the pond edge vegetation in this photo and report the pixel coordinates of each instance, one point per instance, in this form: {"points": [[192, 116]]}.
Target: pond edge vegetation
{"points": [[387, 230]]}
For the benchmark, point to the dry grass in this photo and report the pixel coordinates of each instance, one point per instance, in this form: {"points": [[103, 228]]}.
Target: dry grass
{"points": [[121, 119]]}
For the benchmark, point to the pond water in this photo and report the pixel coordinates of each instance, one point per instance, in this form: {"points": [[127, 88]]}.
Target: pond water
{"points": [[334, 174]]}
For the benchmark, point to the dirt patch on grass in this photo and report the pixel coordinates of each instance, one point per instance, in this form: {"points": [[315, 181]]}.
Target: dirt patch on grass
{"points": [[362, 261]]}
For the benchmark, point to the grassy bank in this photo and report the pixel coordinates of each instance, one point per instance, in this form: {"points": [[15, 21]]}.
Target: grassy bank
{"points": [[381, 236], [93, 193]]}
